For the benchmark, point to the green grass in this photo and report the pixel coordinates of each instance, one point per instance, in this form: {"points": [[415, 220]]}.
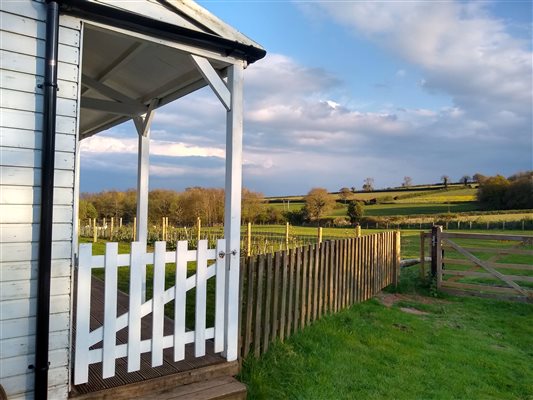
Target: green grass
{"points": [[464, 348]]}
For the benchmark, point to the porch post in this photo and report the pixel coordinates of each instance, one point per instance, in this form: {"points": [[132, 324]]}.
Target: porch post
{"points": [[143, 166], [142, 124], [232, 207]]}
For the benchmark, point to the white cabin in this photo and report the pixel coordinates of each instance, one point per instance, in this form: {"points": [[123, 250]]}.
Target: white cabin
{"points": [[117, 60]]}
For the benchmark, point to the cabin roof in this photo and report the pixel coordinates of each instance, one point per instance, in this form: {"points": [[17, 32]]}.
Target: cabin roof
{"points": [[138, 51]]}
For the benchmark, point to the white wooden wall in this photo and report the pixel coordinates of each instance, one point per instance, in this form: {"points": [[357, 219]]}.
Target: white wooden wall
{"points": [[22, 30]]}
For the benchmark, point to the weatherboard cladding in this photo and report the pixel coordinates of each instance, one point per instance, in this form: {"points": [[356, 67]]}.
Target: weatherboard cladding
{"points": [[22, 33]]}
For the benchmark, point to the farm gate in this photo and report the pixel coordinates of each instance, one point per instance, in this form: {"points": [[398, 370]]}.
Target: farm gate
{"points": [[483, 264]]}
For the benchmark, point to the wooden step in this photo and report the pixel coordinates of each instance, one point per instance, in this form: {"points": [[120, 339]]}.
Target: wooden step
{"points": [[224, 388], [142, 389]]}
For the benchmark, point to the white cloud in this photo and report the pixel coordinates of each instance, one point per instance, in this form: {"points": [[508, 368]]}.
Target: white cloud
{"points": [[462, 50], [108, 144]]}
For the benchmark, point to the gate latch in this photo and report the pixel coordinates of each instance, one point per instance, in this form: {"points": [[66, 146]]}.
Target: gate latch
{"points": [[222, 254]]}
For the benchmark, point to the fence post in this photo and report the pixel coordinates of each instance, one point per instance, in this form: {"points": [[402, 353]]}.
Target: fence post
{"points": [[199, 228], [358, 231], [287, 236], [95, 231], [249, 239], [422, 254], [120, 222], [397, 257], [111, 229], [319, 235], [134, 229], [436, 254]]}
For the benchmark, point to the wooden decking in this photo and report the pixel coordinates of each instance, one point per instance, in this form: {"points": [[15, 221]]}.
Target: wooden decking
{"points": [[148, 379]]}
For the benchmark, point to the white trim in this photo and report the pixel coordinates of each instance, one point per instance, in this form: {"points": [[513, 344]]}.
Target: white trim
{"points": [[214, 80]]}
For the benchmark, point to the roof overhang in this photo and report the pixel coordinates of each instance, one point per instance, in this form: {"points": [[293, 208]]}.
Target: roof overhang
{"points": [[131, 62]]}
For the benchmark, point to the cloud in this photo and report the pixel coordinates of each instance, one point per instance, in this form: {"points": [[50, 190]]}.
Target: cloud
{"points": [[108, 144], [462, 50]]}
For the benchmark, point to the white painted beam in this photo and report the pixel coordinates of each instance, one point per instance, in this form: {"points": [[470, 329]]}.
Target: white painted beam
{"points": [[215, 82], [107, 91], [232, 207], [113, 107]]}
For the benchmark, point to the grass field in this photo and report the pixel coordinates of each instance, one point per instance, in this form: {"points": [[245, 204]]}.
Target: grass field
{"points": [[454, 348]]}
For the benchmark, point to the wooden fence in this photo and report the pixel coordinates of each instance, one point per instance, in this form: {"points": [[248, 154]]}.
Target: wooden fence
{"points": [[285, 291], [491, 265]]}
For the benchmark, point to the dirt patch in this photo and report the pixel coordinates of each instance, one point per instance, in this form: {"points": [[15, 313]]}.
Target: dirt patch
{"points": [[389, 299], [414, 311]]}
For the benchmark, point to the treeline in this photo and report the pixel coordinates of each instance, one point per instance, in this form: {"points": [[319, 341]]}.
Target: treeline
{"points": [[512, 193], [181, 208]]}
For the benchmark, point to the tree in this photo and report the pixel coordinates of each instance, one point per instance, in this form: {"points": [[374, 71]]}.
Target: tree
{"points": [[317, 203], [445, 179], [354, 189], [86, 210], [407, 182], [345, 193], [478, 178], [368, 186], [355, 211], [491, 192], [465, 179], [252, 205]]}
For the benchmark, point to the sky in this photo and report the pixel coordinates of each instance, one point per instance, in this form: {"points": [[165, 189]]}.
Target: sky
{"points": [[349, 90]]}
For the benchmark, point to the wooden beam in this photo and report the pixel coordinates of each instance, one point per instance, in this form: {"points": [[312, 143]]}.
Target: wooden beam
{"points": [[107, 91], [215, 81], [121, 60], [113, 107], [485, 266], [232, 206]]}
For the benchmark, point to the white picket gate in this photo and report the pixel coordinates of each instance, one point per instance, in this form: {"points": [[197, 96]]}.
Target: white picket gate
{"points": [[137, 260]]}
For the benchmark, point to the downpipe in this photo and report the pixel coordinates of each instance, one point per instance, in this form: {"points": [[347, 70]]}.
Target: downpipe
{"points": [[47, 202]]}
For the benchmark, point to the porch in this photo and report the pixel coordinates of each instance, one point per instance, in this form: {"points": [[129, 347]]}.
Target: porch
{"points": [[211, 371]]}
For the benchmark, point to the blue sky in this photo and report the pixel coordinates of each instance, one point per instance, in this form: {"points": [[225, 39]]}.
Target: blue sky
{"points": [[351, 90]]}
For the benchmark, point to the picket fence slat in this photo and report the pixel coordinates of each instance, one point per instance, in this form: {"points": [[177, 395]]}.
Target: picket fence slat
{"points": [[201, 299], [180, 298], [219, 294], [110, 311], [158, 313], [135, 300]]}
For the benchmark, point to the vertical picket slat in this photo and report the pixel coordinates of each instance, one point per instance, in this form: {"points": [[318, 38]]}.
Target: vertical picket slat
{"points": [[310, 265], [268, 301], [158, 303], [283, 313], [320, 248], [220, 292], [290, 271], [297, 292], [332, 248], [180, 299], [134, 312], [242, 279], [259, 306], [201, 298], [83, 314], [305, 272], [110, 310], [276, 292], [326, 276], [249, 305]]}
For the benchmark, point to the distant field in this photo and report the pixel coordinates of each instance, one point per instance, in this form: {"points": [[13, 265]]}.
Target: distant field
{"points": [[460, 195]]}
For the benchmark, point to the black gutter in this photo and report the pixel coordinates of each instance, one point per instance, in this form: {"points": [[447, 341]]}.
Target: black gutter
{"points": [[141, 24], [47, 201]]}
